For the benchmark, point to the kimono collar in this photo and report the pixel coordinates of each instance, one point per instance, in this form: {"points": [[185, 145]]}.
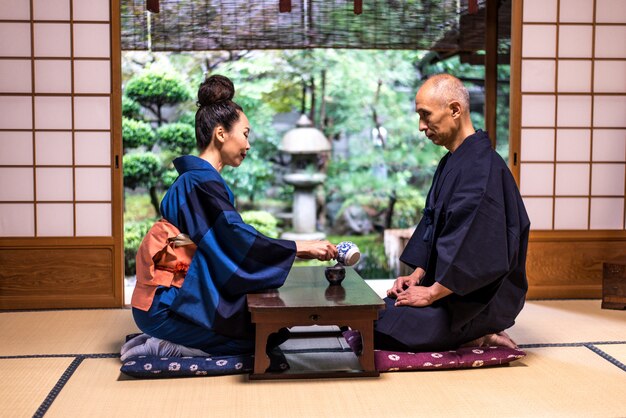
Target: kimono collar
{"points": [[477, 139], [191, 162]]}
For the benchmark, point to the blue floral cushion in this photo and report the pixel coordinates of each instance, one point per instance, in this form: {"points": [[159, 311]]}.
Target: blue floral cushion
{"points": [[156, 366]]}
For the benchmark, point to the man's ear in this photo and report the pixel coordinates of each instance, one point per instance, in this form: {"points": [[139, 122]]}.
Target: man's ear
{"points": [[455, 109]]}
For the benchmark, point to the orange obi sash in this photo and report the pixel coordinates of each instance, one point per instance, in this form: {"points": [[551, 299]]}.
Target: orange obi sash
{"points": [[163, 259]]}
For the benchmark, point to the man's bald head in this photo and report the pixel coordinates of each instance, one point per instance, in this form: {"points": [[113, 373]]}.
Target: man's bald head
{"points": [[447, 88], [443, 107]]}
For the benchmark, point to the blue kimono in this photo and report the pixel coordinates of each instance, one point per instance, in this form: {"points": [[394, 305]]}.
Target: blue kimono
{"points": [[209, 311], [472, 239]]}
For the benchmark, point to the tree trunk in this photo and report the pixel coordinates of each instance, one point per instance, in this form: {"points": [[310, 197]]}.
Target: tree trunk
{"points": [[154, 199], [389, 214]]}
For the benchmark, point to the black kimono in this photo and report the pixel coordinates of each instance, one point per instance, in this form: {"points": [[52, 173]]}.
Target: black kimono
{"points": [[472, 240]]}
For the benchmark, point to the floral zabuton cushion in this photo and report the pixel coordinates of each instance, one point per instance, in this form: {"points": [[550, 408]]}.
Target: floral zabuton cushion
{"points": [[461, 358]]}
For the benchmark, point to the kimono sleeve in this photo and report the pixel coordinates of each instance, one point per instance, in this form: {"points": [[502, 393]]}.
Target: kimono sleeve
{"points": [[417, 251], [237, 259], [472, 247]]}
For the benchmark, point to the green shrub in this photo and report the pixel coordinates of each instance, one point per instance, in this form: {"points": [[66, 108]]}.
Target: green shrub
{"points": [[134, 232], [155, 88], [262, 221], [141, 170], [169, 177], [189, 118], [131, 109], [136, 133], [408, 207], [177, 138]]}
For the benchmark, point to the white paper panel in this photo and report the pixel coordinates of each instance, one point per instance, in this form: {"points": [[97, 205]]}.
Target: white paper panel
{"points": [[539, 211], [539, 11], [578, 11], [575, 41], [53, 148], [15, 76], [610, 76], [610, 11], [51, 9], [16, 184], [93, 183], [572, 180], [610, 41], [609, 145], [539, 41], [607, 213], [14, 39], [537, 145], [575, 76], [92, 148], [16, 148], [538, 110], [14, 10], [91, 10], [571, 213], [93, 219], [53, 76], [92, 40], [92, 77], [609, 111], [53, 112], [54, 184], [607, 180], [55, 220], [538, 75], [17, 220], [52, 40], [536, 179], [574, 111], [573, 144], [16, 112], [92, 113]]}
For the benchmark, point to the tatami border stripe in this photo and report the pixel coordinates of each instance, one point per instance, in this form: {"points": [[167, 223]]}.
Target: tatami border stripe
{"points": [[606, 356], [97, 355], [580, 344], [45, 405]]}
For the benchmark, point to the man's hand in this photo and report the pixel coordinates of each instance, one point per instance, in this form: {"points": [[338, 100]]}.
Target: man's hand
{"points": [[420, 296], [405, 282]]}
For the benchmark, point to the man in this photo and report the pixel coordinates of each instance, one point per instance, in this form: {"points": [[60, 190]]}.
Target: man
{"points": [[469, 250]]}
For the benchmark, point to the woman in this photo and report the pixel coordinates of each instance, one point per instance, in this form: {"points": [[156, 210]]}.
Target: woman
{"points": [[203, 242]]}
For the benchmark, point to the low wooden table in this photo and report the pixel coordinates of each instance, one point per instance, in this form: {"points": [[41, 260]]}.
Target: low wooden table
{"points": [[306, 298]]}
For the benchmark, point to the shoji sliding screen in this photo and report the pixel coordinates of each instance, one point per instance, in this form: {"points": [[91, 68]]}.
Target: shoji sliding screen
{"points": [[568, 125], [60, 179]]}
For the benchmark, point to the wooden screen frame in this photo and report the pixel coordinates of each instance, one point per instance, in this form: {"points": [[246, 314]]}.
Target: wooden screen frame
{"points": [[72, 272], [561, 263]]}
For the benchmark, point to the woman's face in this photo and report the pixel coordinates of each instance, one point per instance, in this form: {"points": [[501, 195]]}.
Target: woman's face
{"points": [[236, 143]]}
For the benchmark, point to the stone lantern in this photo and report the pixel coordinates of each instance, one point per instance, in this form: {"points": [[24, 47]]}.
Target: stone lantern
{"points": [[304, 143]]}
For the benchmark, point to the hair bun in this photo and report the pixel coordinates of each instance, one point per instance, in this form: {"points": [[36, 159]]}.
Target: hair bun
{"points": [[215, 89]]}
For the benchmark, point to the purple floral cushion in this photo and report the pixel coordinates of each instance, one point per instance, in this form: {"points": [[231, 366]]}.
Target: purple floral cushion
{"points": [[465, 357], [461, 358]]}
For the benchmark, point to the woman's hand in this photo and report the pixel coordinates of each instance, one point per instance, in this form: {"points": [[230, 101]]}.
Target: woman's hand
{"points": [[322, 250], [404, 282]]}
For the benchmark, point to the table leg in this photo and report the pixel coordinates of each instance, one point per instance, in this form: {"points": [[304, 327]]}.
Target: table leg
{"points": [[366, 328], [261, 360]]}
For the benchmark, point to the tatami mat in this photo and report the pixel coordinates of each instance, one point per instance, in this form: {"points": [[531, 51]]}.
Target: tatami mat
{"points": [[554, 382], [617, 351], [26, 382], [86, 331], [569, 372], [568, 321]]}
